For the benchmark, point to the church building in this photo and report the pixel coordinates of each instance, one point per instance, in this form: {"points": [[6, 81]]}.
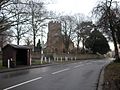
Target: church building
{"points": [[55, 38]]}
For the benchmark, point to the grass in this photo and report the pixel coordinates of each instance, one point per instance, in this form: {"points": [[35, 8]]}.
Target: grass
{"points": [[112, 77], [65, 61], [0, 64], [38, 62]]}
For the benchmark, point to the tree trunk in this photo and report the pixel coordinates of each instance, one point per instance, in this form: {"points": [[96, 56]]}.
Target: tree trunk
{"points": [[66, 43], [34, 39], [67, 47], [78, 42], [115, 42], [18, 41], [33, 28], [113, 32], [83, 42]]}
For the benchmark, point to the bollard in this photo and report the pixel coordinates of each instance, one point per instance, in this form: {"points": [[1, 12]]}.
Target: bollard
{"points": [[54, 58], [41, 60], [57, 59], [61, 59], [66, 58], [75, 58], [30, 61], [49, 59], [8, 63], [45, 59]]}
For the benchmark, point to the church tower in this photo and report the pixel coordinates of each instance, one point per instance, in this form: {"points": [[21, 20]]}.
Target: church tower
{"points": [[54, 37], [55, 43]]}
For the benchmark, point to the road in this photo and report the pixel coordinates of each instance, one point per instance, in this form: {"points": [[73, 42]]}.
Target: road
{"points": [[81, 75]]}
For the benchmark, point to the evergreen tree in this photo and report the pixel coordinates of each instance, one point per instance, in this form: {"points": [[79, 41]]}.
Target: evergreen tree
{"points": [[39, 45], [97, 43]]}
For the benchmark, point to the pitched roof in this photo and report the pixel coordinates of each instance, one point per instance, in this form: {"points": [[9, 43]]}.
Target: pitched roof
{"points": [[18, 46]]}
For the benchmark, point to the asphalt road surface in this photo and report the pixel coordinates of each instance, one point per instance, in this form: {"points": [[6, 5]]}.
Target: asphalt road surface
{"points": [[81, 75]]}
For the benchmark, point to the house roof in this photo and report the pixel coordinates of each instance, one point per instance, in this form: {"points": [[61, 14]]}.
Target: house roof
{"points": [[18, 46]]}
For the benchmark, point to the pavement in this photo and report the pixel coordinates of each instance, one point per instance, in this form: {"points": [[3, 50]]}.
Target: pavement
{"points": [[34, 66], [25, 67]]}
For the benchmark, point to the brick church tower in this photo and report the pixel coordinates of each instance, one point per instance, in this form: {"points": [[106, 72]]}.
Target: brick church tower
{"points": [[55, 38]]}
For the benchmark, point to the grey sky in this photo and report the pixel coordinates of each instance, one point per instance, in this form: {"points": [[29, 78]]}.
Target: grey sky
{"points": [[73, 6]]}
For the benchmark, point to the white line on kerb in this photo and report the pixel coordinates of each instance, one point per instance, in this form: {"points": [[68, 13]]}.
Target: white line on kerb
{"points": [[61, 71], [22, 83]]}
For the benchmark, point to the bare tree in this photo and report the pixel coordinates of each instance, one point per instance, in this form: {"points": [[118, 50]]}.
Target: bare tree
{"points": [[68, 28], [85, 28], [4, 24], [78, 20], [12, 16], [38, 16], [28, 41], [5, 38], [3, 3], [19, 18], [108, 13]]}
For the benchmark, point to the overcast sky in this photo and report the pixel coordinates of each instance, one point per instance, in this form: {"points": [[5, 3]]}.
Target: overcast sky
{"points": [[73, 6]]}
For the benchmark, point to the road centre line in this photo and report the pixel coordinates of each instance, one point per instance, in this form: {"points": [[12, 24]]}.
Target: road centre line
{"points": [[56, 72], [61, 71], [81, 65], [78, 66], [22, 83], [88, 63]]}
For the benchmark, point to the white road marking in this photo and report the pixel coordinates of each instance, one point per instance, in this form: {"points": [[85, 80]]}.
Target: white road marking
{"points": [[88, 63], [61, 71], [22, 83], [78, 66], [81, 65]]}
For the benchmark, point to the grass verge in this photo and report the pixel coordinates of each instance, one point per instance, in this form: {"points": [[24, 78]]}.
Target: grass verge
{"points": [[112, 77], [38, 62]]}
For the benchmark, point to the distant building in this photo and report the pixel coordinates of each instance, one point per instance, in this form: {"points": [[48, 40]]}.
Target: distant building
{"points": [[55, 39]]}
